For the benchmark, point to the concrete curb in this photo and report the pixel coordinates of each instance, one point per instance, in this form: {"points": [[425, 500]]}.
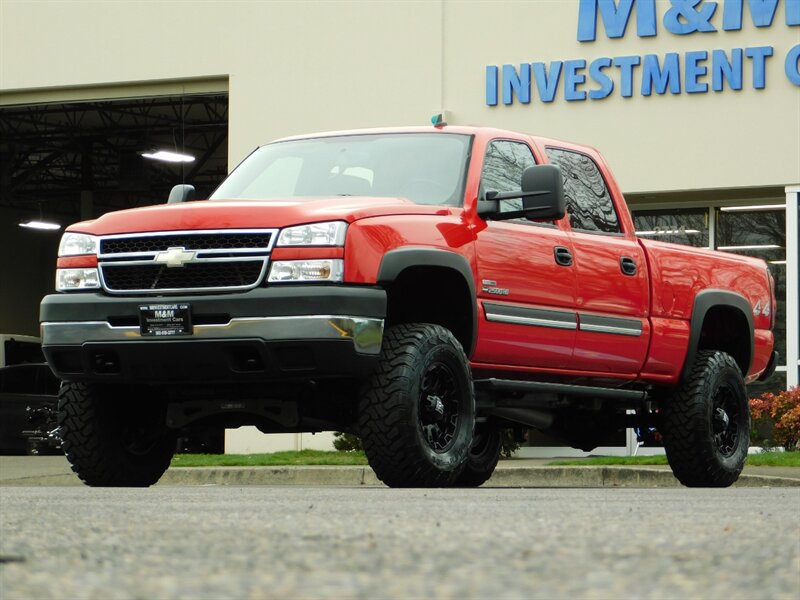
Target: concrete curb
{"points": [[350, 476], [508, 477]]}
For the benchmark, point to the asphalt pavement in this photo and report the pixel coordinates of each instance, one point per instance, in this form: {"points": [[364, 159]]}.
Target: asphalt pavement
{"points": [[281, 542], [55, 471]]}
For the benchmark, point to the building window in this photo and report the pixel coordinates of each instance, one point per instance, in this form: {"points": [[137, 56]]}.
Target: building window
{"points": [[688, 226], [761, 234], [757, 230]]}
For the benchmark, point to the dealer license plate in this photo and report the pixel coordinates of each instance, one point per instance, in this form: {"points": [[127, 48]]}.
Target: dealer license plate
{"points": [[165, 320]]}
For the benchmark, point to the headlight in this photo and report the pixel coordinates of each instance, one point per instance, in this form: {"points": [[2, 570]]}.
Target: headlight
{"points": [[73, 244], [329, 269], [76, 279], [315, 234]]}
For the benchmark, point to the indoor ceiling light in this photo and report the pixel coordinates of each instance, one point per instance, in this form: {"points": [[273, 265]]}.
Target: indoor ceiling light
{"points": [[669, 232], [45, 225], [166, 156], [751, 247], [752, 207]]}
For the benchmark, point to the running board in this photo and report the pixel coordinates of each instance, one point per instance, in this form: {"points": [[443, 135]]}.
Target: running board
{"points": [[510, 385]]}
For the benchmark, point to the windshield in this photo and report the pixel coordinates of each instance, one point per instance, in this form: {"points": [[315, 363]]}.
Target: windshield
{"points": [[426, 168]]}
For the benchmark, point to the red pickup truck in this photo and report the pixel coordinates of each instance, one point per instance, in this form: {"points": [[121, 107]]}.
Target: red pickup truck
{"points": [[425, 288]]}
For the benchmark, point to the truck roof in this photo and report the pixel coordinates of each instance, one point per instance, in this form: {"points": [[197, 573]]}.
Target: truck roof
{"points": [[490, 132]]}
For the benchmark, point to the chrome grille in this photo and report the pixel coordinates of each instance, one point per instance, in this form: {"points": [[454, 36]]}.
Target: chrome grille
{"points": [[192, 276], [193, 241], [185, 261]]}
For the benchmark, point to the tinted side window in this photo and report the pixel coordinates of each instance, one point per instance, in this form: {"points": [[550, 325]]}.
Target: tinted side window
{"points": [[502, 170], [588, 200]]}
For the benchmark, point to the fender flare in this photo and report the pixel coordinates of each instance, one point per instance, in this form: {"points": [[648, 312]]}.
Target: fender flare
{"points": [[396, 261], [705, 301]]}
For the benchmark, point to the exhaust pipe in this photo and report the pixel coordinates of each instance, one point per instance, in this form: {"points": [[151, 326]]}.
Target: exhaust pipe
{"points": [[526, 416]]}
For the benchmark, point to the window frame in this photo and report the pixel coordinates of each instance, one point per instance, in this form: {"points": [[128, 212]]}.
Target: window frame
{"points": [[482, 191], [621, 232]]}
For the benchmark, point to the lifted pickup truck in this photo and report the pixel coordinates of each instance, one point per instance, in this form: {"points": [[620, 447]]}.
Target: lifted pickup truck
{"points": [[423, 288]]}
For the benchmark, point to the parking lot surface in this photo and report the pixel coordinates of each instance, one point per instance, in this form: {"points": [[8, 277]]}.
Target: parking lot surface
{"points": [[362, 542]]}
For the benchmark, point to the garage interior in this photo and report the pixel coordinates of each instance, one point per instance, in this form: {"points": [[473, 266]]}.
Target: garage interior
{"points": [[67, 162]]}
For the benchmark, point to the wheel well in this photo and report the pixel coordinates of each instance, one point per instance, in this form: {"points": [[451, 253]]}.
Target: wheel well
{"points": [[433, 295], [725, 328]]}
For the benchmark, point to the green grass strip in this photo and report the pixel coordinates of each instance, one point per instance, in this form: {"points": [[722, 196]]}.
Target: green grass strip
{"points": [[763, 459], [303, 457]]}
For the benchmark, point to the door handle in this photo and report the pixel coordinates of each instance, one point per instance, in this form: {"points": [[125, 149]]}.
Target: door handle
{"points": [[627, 265], [563, 256]]}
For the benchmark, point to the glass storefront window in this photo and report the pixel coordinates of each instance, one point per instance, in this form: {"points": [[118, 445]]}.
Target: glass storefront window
{"points": [[762, 234], [688, 226], [752, 231]]}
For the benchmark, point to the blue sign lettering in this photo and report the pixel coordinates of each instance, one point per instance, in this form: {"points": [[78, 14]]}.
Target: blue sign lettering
{"points": [[606, 83], [519, 83], [615, 18], [759, 57], [693, 71], [723, 69], [491, 85], [626, 65], [547, 86], [686, 16], [654, 76], [572, 79], [761, 11], [792, 65], [673, 72], [682, 18]]}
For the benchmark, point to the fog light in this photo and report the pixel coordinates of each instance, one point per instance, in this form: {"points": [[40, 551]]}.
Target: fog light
{"points": [[76, 279], [306, 270]]}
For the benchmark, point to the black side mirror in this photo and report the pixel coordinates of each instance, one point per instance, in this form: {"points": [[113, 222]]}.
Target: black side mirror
{"points": [[181, 193], [542, 196], [546, 186]]}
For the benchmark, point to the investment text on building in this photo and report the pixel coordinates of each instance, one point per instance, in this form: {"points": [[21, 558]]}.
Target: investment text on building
{"points": [[694, 72]]}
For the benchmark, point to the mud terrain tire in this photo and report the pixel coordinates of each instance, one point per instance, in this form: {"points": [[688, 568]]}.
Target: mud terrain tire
{"points": [[706, 423], [417, 411], [112, 440], [482, 459]]}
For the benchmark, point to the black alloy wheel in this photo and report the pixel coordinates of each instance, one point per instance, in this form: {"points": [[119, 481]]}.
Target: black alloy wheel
{"points": [[416, 414], [706, 423], [439, 407]]}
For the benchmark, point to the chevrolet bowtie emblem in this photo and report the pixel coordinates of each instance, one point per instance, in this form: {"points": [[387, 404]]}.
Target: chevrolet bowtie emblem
{"points": [[175, 257]]}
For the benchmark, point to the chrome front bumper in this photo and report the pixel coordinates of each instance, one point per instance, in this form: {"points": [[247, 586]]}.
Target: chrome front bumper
{"points": [[365, 333]]}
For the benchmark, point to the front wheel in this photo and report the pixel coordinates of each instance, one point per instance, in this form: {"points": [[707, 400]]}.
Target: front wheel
{"points": [[417, 411], [111, 438], [706, 424]]}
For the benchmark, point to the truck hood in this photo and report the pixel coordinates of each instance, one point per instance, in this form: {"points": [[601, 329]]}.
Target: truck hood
{"points": [[244, 214]]}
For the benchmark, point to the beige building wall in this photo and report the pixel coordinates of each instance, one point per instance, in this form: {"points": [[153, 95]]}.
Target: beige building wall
{"points": [[296, 67]]}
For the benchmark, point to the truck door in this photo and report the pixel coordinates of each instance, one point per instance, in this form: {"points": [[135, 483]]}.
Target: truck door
{"points": [[526, 279], [613, 294]]}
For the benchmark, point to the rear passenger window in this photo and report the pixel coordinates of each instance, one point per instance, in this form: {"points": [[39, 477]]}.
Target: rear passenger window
{"points": [[502, 170], [588, 200]]}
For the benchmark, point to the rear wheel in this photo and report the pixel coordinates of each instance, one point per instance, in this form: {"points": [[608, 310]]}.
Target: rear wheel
{"points": [[113, 440], [483, 457], [706, 424], [417, 411]]}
